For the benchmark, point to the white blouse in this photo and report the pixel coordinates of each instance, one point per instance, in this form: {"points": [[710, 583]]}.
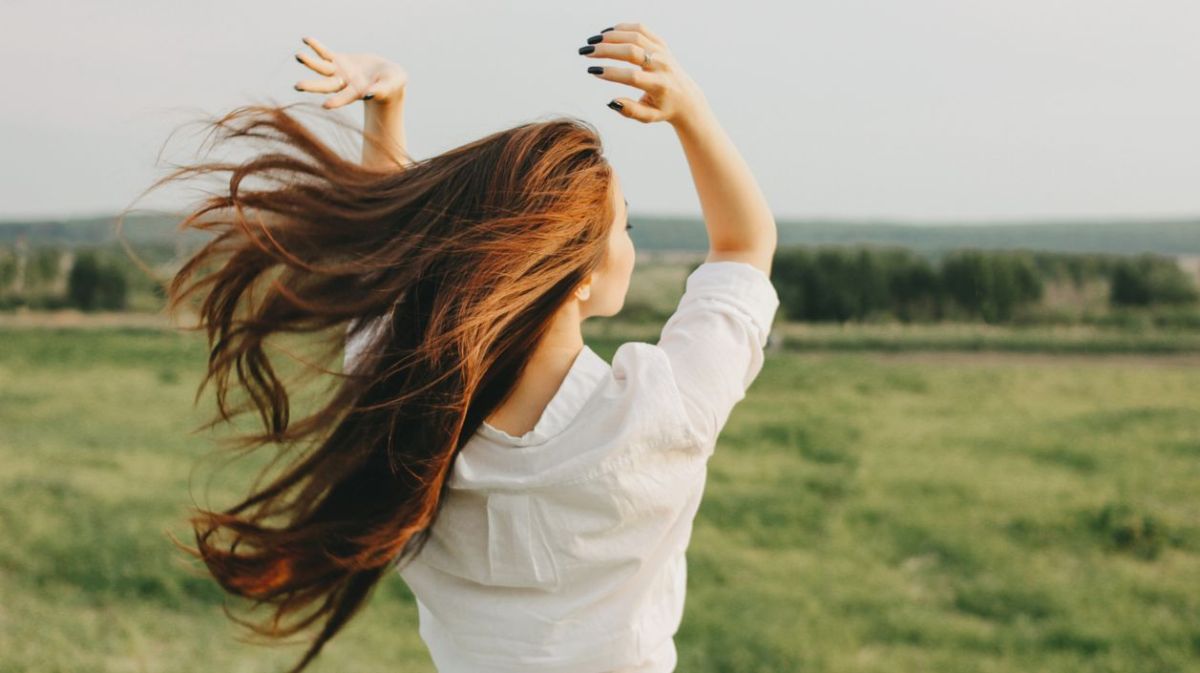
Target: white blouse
{"points": [[563, 550]]}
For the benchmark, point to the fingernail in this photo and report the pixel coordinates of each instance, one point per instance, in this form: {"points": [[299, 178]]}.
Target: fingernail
{"points": [[615, 104], [595, 38], [299, 60], [368, 96], [607, 29], [587, 50], [297, 87], [596, 69]]}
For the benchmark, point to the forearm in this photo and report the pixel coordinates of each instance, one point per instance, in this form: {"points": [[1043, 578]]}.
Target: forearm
{"points": [[735, 211], [384, 142]]}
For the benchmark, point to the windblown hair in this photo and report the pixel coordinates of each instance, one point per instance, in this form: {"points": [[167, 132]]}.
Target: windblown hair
{"points": [[459, 262]]}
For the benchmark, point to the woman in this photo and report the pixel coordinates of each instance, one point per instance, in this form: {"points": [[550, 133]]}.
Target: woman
{"points": [[537, 500]]}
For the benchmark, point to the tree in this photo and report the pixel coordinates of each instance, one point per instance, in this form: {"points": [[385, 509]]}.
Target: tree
{"points": [[991, 285], [94, 285], [1150, 279]]}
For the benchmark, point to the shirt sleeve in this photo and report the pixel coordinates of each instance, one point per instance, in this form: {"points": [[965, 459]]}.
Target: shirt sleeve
{"points": [[714, 341]]}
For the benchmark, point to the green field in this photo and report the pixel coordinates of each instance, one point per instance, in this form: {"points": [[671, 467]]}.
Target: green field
{"points": [[864, 512]]}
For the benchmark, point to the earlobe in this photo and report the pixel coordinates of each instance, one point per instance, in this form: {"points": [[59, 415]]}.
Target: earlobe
{"points": [[583, 292]]}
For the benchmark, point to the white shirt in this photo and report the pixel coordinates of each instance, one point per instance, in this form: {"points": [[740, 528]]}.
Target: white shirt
{"points": [[562, 550]]}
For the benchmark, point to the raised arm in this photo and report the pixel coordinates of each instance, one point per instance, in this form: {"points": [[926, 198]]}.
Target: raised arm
{"points": [[740, 224], [378, 83], [381, 86], [384, 143], [713, 343]]}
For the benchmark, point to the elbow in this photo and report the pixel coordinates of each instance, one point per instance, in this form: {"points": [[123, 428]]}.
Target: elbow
{"points": [[760, 256]]}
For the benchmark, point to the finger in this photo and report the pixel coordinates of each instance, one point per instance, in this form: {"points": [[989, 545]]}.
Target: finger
{"points": [[649, 82], [321, 49], [324, 85], [322, 67], [634, 110], [629, 37], [639, 28], [343, 97], [630, 53]]}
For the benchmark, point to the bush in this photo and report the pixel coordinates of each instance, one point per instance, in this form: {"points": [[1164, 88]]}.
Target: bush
{"points": [[841, 284], [1150, 279], [93, 284], [1077, 268], [991, 285]]}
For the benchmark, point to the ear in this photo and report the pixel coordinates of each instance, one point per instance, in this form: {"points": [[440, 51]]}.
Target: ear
{"points": [[583, 291]]}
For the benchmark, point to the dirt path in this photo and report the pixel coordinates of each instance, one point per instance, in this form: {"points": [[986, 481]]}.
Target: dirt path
{"points": [[1172, 360]]}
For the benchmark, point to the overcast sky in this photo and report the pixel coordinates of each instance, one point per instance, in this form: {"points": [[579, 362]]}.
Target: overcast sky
{"points": [[939, 110]]}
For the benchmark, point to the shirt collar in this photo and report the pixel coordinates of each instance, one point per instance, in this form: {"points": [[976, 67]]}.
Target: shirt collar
{"points": [[581, 380]]}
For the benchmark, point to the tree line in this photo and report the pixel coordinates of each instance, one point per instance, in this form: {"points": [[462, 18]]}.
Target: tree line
{"points": [[88, 278], [861, 283], [815, 283]]}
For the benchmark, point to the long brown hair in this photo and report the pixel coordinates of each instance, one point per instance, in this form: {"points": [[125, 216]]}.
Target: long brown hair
{"points": [[462, 259]]}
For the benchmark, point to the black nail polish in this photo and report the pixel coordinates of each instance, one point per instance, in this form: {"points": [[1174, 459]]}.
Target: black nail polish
{"points": [[368, 96], [299, 60], [607, 29], [297, 87], [615, 104], [596, 69], [587, 50], [595, 38]]}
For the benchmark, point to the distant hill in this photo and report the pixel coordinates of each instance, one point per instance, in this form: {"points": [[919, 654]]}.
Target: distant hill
{"points": [[653, 234], [137, 229], [1173, 237]]}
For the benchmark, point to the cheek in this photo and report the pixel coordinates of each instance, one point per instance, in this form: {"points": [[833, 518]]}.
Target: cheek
{"points": [[624, 251], [621, 257]]}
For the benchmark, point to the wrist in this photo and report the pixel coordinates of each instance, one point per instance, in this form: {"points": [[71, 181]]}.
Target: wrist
{"points": [[695, 120]]}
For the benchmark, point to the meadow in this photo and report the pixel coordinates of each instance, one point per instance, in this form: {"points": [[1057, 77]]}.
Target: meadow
{"points": [[863, 512]]}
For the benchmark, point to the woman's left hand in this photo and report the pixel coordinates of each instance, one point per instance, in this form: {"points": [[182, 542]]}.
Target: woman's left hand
{"points": [[352, 77]]}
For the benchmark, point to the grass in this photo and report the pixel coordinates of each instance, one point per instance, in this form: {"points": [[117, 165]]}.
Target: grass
{"points": [[862, 513], [978, 337], [641, 320], [947, 337]]}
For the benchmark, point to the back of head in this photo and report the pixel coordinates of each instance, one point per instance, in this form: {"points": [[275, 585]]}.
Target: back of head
{"points": [[462, 258]]}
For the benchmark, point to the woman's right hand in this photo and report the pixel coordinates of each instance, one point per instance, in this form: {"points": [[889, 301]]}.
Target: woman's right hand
{"points": [[351, 77], [671, 95]]}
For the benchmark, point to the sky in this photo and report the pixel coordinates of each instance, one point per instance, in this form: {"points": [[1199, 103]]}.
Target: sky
{"points": [[923, 110]]}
